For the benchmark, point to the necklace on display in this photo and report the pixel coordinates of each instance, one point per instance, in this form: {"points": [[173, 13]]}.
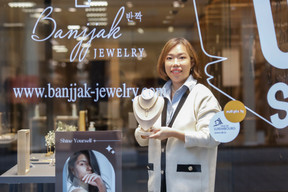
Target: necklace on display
{"points": [[147, 109]]}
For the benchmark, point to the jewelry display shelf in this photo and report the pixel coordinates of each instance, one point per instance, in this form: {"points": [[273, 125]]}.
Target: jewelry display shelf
{"points": [[41, 171]]}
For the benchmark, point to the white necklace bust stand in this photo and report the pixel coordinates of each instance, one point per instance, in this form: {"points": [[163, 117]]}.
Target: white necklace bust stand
{"points": [[147, 108]]}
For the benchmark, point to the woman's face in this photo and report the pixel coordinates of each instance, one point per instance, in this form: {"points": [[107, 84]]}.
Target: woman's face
{"points": [[82, 167], [178, 64]]}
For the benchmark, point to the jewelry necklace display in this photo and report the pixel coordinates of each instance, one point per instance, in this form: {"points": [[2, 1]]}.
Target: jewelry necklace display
{"points": [[147, 109]]}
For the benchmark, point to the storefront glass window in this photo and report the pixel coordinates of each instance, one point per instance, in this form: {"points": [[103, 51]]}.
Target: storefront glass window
{"points": [[62, 57]]}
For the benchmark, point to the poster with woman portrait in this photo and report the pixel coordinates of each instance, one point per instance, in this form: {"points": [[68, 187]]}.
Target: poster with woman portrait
{"points": [[88, 161]]}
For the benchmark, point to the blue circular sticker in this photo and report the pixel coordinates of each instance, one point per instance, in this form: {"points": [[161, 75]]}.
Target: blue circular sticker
{"points": [[223, 130]]}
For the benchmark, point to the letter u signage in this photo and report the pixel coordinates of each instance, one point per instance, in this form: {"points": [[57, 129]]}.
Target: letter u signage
{"points": [[274, 56], [267, 35]]}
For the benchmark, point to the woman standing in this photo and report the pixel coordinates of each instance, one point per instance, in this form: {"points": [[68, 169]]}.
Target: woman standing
{"points": [[182, 154]]}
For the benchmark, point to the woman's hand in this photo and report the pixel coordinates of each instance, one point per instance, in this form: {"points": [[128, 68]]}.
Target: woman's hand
{"points": [[95, 180], [162, 133]]}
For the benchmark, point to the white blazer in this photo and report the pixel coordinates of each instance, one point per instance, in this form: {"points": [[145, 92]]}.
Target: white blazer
{"points": [[190, 165]]}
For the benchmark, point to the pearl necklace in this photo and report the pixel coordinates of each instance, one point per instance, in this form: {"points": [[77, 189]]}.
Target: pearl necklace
{"points": [[147, 109]]}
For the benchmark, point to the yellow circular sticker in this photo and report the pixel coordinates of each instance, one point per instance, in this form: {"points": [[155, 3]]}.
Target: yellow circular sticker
{"points": [[235, 111]]}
